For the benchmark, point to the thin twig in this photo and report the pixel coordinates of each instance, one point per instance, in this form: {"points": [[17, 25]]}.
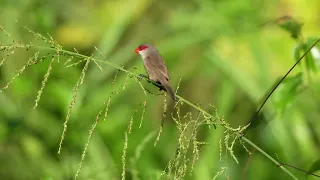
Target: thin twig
{"points": [[282, 79]]}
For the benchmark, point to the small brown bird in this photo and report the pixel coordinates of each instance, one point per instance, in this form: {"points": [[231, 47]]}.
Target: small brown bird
{"points": [[155, 67]]}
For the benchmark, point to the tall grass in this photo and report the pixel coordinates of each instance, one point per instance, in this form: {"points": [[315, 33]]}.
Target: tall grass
{"points": [[219, 59]]}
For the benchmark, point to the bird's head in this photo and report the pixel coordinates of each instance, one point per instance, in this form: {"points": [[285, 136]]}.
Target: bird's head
{"points": [[142, 49]]}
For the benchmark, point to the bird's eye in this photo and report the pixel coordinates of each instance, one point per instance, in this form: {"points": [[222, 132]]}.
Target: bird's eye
{"points": [[142, 47]]}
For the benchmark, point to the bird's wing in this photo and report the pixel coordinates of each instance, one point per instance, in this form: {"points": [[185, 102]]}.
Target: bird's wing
{"points": [[159, 65]]}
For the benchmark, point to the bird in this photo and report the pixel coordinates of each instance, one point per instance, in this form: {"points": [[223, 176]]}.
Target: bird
{"points": [[155, 67]]}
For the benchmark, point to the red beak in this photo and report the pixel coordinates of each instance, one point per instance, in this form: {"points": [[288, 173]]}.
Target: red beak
{"points": [[137, 50]]}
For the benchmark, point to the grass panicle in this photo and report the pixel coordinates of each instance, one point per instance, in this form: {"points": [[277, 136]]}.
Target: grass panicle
{"points": [[223, 169], [100, 53], [187, 152], [68, 60], [72, 102], [181, 159], [195, 143], [5, 31], [125, 82], [228, 135], [107, 108], [97, 50], [231, 150], [44, 81], [50, 41], [220, 150], [123, 158], [131, 121], [143, 112], [83, 155], [75, 63], [113, 92], [170, 167], [164, 114], [144, 103], [32, 61], [6, 56], [245, 147], [124, 151]]}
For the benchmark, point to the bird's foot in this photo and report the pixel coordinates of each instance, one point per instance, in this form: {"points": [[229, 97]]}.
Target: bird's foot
{"points": [[142, 76]]}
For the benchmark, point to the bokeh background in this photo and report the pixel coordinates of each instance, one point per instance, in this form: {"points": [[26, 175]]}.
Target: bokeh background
{"points": [[218, 49]]}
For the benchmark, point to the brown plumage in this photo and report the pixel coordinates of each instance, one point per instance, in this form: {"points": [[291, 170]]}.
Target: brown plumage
{"points": [[155, 67]]}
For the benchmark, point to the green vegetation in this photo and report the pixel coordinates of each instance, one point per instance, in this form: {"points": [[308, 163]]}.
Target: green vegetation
{"points": [[73, 106]]}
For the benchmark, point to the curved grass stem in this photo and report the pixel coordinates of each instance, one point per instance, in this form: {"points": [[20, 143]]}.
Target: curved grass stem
{"points": [[269, 157]]}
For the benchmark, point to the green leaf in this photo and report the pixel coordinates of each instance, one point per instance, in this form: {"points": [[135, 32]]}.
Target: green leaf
{"points": [[297, 51], [312, 58], [314, 167], [286, 92], [292, 26]]}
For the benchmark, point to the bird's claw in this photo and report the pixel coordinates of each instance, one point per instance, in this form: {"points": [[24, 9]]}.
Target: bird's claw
{"points": [[142, 76], [157, 84]]}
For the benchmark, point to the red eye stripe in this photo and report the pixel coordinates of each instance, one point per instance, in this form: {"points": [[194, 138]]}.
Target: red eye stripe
{"points": [[140, 48]]}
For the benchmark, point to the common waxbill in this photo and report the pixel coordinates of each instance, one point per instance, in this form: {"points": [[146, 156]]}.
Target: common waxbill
{"points": [[155, 66]]}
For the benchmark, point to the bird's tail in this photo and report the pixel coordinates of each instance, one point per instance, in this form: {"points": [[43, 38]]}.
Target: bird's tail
{"points": [[169, 90]]}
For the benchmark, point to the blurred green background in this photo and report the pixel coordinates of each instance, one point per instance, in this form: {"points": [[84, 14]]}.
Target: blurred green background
{"points": [[217, 48]]}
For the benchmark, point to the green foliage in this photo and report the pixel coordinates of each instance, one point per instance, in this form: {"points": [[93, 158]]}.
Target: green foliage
{"points": [[313, 57], [287, 92], [291, 25], [315, 166]]}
